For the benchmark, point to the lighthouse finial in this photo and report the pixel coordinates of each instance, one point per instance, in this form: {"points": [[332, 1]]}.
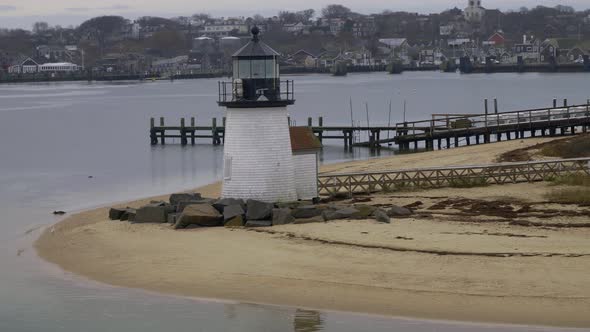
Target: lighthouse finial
{"points": [[255, 31]]}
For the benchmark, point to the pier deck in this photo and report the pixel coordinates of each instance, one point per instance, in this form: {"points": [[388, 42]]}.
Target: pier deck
{"points": [[443, 131]]}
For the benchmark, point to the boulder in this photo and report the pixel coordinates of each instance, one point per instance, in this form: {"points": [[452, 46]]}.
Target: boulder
{"points": [[183, 204], [173, 218], [116, 214], [199, 214], [381, 216], [222, 203], [398, 211], [237, 221], [365, 211], [282, 217], [258, 223], [232, 211], [157, 203], [309, 220], [152, 213], [343, 213], [308, 211], [128, 214], [175, 199], [257, 210]]}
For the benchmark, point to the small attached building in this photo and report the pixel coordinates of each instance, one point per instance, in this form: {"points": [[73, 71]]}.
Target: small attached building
{"points": [[305, 147]]}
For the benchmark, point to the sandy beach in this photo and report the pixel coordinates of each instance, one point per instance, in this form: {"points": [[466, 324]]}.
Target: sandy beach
{"points": [[453, 259]]}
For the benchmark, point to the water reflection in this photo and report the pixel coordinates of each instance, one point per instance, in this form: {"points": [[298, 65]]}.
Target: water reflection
{"points": [[307, 321]]}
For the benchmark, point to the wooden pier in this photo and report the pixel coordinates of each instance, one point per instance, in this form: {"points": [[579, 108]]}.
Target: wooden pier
{"points": [[442, 131]]}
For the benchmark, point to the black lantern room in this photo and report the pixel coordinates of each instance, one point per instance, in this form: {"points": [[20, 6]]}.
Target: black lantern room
{"points": [[256, 79]]}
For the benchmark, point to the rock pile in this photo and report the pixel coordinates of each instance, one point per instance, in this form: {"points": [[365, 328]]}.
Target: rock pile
{"points": [[187, 210]]}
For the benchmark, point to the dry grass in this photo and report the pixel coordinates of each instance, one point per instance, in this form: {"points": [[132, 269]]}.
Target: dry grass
{"points": [[571, 180], [578, 195], [575, 147]]}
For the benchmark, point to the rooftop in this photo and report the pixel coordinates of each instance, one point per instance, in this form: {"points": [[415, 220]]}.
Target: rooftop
{"points": [[303, 139]]}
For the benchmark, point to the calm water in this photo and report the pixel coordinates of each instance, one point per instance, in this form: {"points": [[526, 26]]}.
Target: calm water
{"points": [[54, 136]]}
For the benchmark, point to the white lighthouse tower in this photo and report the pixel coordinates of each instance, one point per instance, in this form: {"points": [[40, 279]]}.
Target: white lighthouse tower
{"points": [[258, 162]]}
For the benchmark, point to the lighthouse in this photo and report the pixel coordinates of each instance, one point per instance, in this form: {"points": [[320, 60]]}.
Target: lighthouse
{"points": [[257, 156]]}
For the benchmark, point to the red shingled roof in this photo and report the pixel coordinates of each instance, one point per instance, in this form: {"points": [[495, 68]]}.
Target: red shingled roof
{"points": [[302, 138]]}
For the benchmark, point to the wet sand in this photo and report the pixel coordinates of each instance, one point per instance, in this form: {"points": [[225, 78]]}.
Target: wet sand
{"points": [[442, 263]]}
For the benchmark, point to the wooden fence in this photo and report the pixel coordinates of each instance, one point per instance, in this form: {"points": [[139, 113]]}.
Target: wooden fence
{"points": [[435, 177]]}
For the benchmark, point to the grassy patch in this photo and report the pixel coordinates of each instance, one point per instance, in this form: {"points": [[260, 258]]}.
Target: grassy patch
{"points": [[579, 195], [571, 180], [468, 182], [575, 147]]}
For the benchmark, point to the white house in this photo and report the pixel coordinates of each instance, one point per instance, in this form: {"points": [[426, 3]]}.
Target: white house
{"points": [[305, 147], [24, 66]]}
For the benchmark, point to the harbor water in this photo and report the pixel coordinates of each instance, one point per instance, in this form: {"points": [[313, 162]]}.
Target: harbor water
{"points": [[73, 146]]}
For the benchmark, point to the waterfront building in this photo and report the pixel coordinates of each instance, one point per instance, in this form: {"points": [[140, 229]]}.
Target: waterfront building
{"points": [[257, 157], [59, 67]]}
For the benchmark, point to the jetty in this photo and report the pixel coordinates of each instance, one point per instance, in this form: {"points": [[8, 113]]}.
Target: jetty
{"points": [[442, 131]]}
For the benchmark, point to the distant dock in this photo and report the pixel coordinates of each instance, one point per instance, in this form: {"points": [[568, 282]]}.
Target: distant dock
{"points": [[443, 131]]}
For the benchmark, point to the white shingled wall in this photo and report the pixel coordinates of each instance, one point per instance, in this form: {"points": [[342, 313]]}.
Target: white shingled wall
{"points": [[306, 177], [258, 163]]}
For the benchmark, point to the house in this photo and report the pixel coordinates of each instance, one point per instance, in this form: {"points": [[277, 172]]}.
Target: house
{"points": [[59, 67], [398, 48], [294, 28], [305, 58], [528, 50], [576, 54], [549, 50], [171, 65], [364, 27], [431, 56], [497, 40], [225, 27], [446, 30], [24, 65], [305, 147]]}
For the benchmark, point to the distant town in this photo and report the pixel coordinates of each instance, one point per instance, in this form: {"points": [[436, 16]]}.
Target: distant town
{"points": [[308, 41]]}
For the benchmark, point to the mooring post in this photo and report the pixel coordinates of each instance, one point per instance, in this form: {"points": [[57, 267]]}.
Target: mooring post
{"points": [[214, 131], [162, 131], [495, 105], [289, 121], [565, 102], [321, 125], [192, 130], [153, 138], [182, 132], [554, 102], [486, 136], [309, 122]]}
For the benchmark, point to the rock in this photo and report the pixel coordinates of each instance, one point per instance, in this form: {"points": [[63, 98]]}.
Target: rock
{"points": [[381, 216], [155, 213], [116, 214], [199, 214], [232, 211], [237, 221], [398, 211], [220, 204], [282, 217], [157, 203], [343, 213], [365, 211], [258, 223], [309, 220], [173, 218], [292, 205], [257, 210], [175, 199], [182, 205], [59, 213], [308, 211], [129, 214]]}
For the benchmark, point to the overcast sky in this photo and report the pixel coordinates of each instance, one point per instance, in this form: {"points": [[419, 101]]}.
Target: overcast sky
{"points": [[23, 13]]}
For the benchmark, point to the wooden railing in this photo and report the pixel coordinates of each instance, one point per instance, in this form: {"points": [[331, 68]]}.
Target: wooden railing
{"points": [[436, 177]]}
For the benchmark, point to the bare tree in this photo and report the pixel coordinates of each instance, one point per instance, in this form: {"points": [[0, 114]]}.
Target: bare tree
{"points": [[336, 11], [40, 27]]}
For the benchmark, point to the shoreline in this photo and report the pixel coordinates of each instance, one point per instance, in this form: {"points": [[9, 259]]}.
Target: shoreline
{"points": [[277, 269]]}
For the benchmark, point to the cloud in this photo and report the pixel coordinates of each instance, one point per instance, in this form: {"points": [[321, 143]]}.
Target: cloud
{"points": [[7, 8], [87, 9]]}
